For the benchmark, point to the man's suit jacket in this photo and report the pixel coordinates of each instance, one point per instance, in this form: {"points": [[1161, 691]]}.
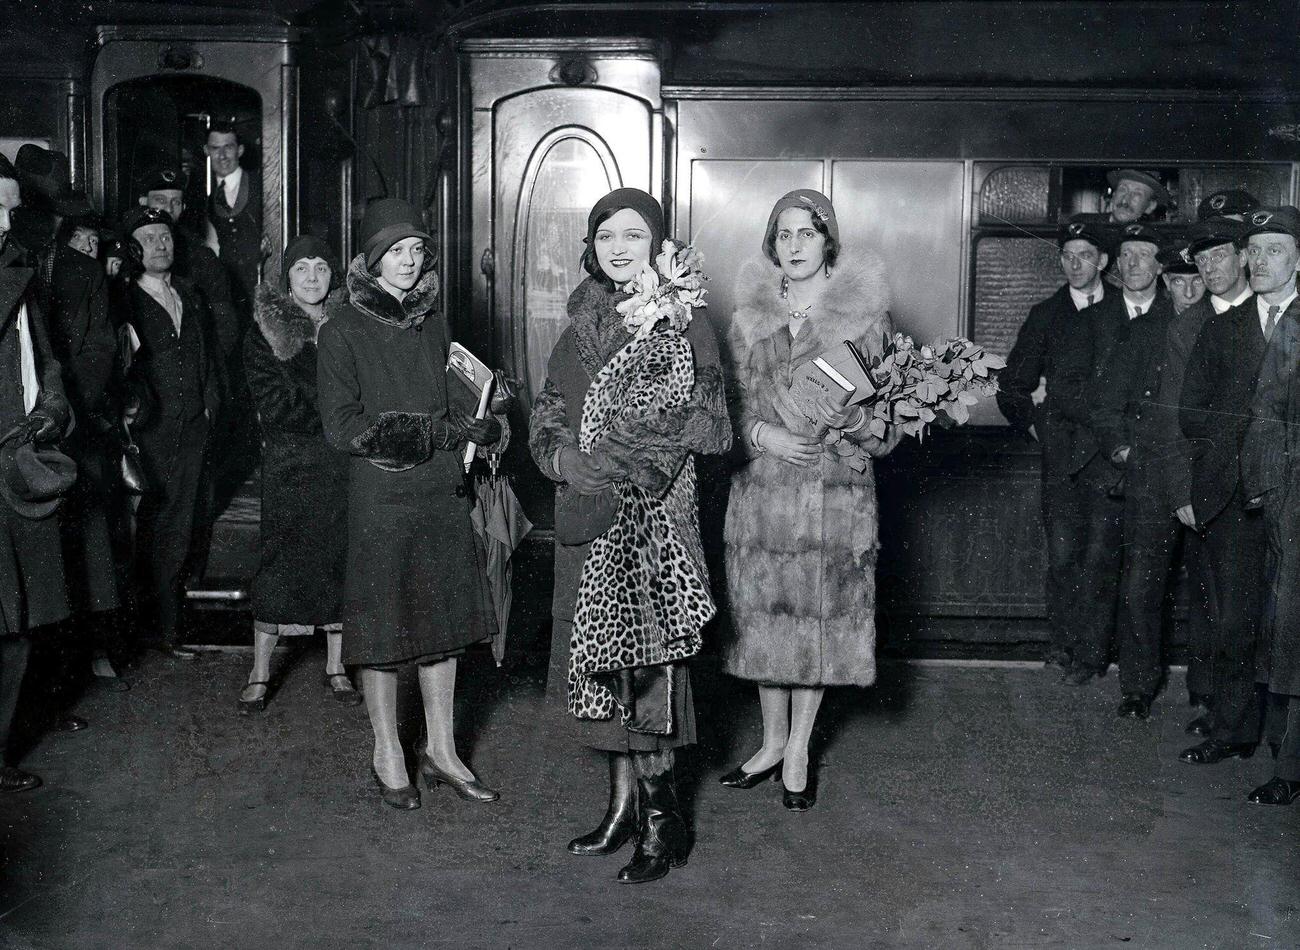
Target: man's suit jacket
{"points": [[1055, 343], [1218, 390], [239, 235]]}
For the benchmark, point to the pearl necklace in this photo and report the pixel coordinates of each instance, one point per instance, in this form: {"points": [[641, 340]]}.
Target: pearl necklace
{"points": [[792, 312]]}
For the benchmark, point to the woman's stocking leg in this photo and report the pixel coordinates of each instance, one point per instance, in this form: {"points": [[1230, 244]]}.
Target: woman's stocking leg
{"points": [[263, 647], [775, 703], [380, 687], [803, 713], [334, 653], [438, 687]]}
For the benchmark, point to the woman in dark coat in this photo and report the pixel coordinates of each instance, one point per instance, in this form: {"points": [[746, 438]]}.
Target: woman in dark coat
{"points": [[802, 520], [299, 582], [624, 231], [415, 591]]}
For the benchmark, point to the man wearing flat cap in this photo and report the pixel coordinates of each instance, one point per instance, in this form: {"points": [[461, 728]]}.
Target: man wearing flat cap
{"points": [[176, 369], [1271, 470], [33, 414], [1212, 244], [1219, 390], [1134, 195], [1130, 330], [1053, 353]]}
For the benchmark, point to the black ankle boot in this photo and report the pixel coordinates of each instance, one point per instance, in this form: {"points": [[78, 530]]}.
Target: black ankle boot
{"points": [[662, 840], [619, 822]]}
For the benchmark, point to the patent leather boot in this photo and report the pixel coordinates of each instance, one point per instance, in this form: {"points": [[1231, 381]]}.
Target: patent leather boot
{"points": [[619, 823], [662, 840]]}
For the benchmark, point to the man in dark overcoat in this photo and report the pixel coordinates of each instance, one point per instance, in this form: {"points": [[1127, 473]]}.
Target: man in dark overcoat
{"points": [[1128, 418], [1053, 354], [1221, 262], [175, 371], [1218, 392], [32, 589], [1271, 462]]}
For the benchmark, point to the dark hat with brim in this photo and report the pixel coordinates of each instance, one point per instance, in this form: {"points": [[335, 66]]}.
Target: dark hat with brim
{"points": [[386, 222], [33, 480], [160, 178], [1281, 220], [1084, 228], [1158, 190], [1213, 232], [1229, 201], [44, 175], [1176, 258], [1137, 231], [139, 216]]}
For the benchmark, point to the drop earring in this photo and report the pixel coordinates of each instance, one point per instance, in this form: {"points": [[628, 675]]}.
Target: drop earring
{"points": [[785, 287]]}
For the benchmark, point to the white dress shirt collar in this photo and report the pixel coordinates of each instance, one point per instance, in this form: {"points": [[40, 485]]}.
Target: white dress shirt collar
{"points": [[1220, 305], [161, 290], [1264, 308], [1081, 299], [230, 185]]}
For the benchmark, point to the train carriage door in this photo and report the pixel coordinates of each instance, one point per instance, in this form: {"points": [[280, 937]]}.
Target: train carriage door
{"points": [[554, 128]]}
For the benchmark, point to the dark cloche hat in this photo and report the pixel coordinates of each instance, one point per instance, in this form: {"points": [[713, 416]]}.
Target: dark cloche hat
{"points": [[1281, 220], [1137, 231], [1212, 232], [1159, 191], [1228, 201], [386, 222], [1084, 228]]}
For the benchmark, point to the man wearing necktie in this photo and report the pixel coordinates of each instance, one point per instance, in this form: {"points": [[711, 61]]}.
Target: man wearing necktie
{"points": [[1053, 355], [1218, 392], [1137, 536], [1271, 471], [176, 372], [235, 214]]}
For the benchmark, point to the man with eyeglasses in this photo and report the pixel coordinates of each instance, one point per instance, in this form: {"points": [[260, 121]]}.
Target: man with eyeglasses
{"points": [[1212, 245], [1218, 391], [1136, 539], [1271, 472], [1042, 393]]}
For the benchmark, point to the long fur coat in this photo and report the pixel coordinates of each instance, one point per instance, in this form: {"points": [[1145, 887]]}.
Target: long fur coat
{"points": [[801, 542]]}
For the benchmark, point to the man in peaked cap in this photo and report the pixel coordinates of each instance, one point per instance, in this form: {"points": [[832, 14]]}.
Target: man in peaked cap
{"points": [[1053, 352], [1233, 203], [1134, 195], [1219, 391], [1183, 282], [1213, 246], [1130, 331]]}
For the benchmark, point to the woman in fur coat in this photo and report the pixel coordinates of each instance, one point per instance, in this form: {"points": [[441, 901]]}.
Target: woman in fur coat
{"points": [[639, 473], [299, 581], [415, 591], [801, 523]]}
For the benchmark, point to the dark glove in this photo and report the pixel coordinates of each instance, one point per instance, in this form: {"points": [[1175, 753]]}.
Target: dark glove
{"points": [[505, 392], [485, 431], [40, 428]]}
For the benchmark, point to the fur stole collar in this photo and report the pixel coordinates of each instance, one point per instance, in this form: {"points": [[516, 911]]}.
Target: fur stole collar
{"points": [[597, 327], [287, 326], [855, 304], [372, 300]]}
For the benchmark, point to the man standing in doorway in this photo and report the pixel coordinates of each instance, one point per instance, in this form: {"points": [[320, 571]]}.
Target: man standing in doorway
{"points": [[235, 214]]}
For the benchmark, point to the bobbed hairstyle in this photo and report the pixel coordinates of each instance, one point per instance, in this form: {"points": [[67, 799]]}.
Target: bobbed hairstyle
{"points": [[7, 169], [589, 262], [832, 252]]}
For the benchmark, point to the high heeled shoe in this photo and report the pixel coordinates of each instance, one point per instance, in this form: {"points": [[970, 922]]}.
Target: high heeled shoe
{"points": [[247, 706], [472, 790], [739, 778], [805, 798], [405, 798]]}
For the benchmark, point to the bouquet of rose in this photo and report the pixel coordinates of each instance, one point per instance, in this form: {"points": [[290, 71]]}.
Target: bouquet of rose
{"points": [[669, 290], [916, 387]]}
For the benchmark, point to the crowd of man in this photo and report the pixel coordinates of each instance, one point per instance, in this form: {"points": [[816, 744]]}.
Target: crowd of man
{"points": [[118, 366], [1159, 381]]}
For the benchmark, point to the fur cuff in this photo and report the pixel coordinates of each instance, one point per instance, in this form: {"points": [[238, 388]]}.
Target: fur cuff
{"points": [[397, 441]]}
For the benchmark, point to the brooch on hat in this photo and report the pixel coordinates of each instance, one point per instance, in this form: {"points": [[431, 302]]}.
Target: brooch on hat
{"points": [[817, 209], [1261, 217], [1076, 228], [1186, 255], [1218, 201], [1133, 229]]}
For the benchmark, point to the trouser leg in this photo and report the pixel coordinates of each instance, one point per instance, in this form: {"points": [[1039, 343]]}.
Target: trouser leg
{"points": [[1288, 755], [1099, 572], [1200, 637], [14, 652], [1150, 539], [1235, 544], [1065, 528]]}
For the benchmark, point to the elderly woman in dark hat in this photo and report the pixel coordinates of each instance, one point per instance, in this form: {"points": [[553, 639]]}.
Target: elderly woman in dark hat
{"points": [[645, 460], [802, 521], [299, 582], [415, 591]]}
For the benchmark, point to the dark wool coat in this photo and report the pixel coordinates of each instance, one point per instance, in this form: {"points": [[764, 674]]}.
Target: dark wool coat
{"points": [[649, 458], [1183, 331], [1055, 343], [304, 479], [1271, 468], [33, 591], [84, 342], [801, 542], [415, 589]]}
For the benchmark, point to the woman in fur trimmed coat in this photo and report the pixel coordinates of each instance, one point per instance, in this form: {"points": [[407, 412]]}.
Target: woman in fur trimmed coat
{"points": [[415, 591], [801, 524], [595, 490], [299, 582]]}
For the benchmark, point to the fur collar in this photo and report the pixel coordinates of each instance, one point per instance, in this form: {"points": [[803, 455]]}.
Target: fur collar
{"points": [[286, 326], [856, 302], [372, 300], [597, 327]]}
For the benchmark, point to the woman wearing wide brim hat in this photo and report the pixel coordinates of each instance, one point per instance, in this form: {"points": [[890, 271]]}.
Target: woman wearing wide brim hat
{"points": [[299, 583], [415, 593]]}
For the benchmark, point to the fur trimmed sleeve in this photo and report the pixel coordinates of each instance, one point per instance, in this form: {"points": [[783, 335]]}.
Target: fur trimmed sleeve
{"points": [[548, 429]]}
